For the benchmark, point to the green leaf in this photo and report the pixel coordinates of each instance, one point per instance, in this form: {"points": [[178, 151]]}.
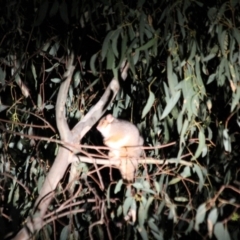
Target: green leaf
{"points": [[140, 3], [149, 44], [221, 70], [63, 9], [198, 170], [142, 231], [223, 41], [3, 76], [179, 121], [161, 182], [195, 105], [184, 130], [53, 50], [141, 27], [136, 57], [65, 233], [234, 3], [161, 207], [127, 204], [54, 9], [41, 13], [141, 215], [146, 54], [236, 34], [51, 68], [40, 183], [232, 55], [123, 49], [3, 107], [185, 174], [150, 101], [39, 101], [211, 78], [132, 46], [138, 185], [199, 77], [172, 213], [118, 186], [226, 141], [209, 57], [201, 144], [76, 79], [119, 211], [170, 74], [181, 199], [147, 206], [193, 48], [190, 227], [131, 33], [106, 44], [157, 187], [45, 46], [109, 196], [236, 99], [92, 63], [170, 104], [49, 106], [110, 60], [153, 227], [204, 151], [212, 219], [181, 21], [148, 33], [232, 71], [221, 232], [200, 216], [56, 80], [212, 13], [115, 41]]}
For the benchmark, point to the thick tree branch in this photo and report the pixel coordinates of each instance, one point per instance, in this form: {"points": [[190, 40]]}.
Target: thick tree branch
{"points": [[96, 112], [116, 162], [65, 155], [62, 125]]}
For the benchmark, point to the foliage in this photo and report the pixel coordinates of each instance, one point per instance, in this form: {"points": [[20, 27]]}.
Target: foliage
{"points": [[183, 86]]}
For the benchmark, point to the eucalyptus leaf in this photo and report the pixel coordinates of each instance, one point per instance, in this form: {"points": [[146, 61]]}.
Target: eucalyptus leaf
{"points": [[226, 141], [198, 170], [212, 219], [201, 145], [127, 204], [150, 101], [105, 45], [170, 104], [63, 10], [56, 80], [146, 46], [221, 232], [114, 38], [65, 233], [118, 186], [143, 233], [54, 8], [92, 63], [200, 216], [41, 13]]}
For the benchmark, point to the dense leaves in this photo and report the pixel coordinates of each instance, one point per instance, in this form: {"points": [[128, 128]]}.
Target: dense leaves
{"points": [[183, 87]]}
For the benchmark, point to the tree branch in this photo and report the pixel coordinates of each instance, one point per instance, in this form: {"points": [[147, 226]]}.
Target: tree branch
{"points": [[65, 155]]}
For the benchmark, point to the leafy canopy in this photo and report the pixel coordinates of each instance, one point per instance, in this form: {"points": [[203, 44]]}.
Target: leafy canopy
{"points": [[183, 87]]}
